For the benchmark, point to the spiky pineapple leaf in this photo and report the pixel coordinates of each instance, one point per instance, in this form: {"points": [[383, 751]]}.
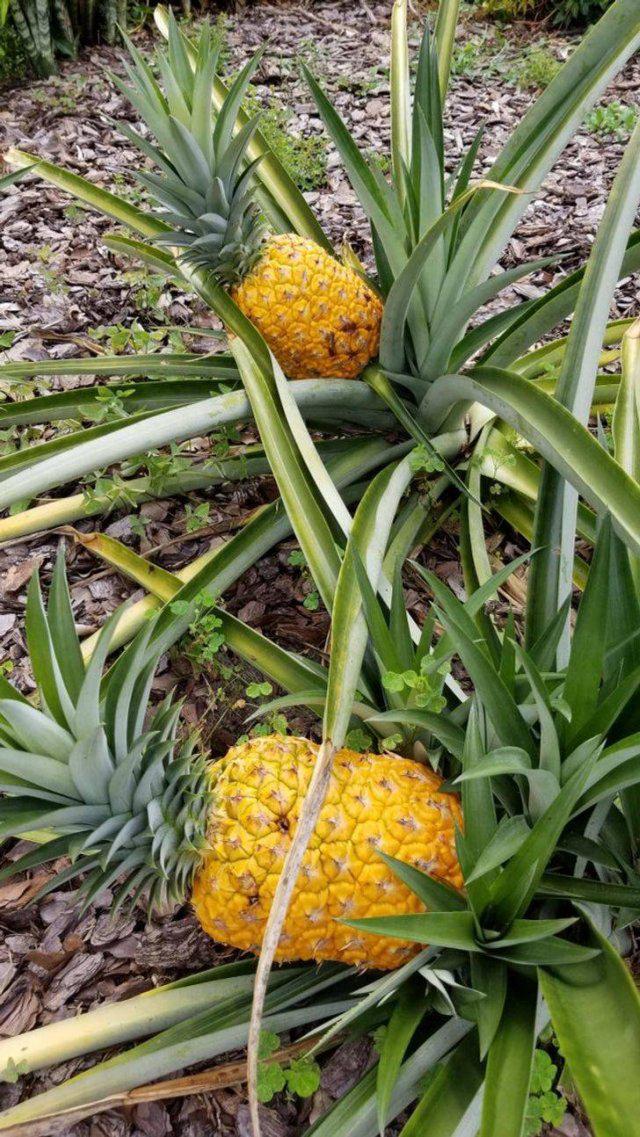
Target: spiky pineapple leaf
{"points": [[595, 1011], [449, 1094], [405, 1019], [510, 1062], [126, 802]]}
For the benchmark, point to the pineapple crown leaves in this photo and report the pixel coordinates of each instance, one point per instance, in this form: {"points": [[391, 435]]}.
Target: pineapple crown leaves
{"points": [[124, 802], [202, 187]]}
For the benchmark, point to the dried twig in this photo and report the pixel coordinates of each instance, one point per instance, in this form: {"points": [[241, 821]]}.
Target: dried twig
{"points": [[309, 814]]}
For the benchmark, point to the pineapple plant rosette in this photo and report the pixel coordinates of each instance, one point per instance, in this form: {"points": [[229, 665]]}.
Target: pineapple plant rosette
{"points": [[435, 240], [546, 762]]}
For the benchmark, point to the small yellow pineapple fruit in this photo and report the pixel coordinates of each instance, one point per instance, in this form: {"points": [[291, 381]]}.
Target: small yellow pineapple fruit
{"points": [[317, 315]]}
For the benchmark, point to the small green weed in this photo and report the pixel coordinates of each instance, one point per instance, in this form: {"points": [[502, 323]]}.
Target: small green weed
{"points": [[304, 157], [63, 101], [614, 118], [258, 690], [379, 159], [74, 212], [104, 494], [362, 84], [273, 723], [159, 466], [196, 516], [147, 288], [422, 688], [546, 1106], [301, 1076], [49, 271], [510, 9], [14, 1070], [155, 470], [312, 599], [422, 460], [129, 190], [467, 56], [480, 54], [138, 523], [535, 68], [205, 637], [108, 404], [359, 739], [118, 338], [309, 52]]}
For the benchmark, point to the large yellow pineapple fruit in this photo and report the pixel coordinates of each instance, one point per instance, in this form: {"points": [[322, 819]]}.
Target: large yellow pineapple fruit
{"points": [[317, 315], [376, 803]]}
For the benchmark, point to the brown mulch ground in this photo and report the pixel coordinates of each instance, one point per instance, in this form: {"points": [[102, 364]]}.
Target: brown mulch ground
{"points": [[59, 283]]}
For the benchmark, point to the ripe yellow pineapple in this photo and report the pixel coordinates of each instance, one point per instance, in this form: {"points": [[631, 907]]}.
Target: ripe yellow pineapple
{"points": [[317, 315], [139, 812], [376, 803]]}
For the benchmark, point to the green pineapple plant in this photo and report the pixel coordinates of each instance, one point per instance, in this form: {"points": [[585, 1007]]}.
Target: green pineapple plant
{"points": [[547, 764], [429, 297], [515, 751]]}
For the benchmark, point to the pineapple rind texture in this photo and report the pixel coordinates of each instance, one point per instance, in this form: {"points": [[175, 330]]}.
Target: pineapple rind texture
{"points": [[317, 315], [375, 803]]}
